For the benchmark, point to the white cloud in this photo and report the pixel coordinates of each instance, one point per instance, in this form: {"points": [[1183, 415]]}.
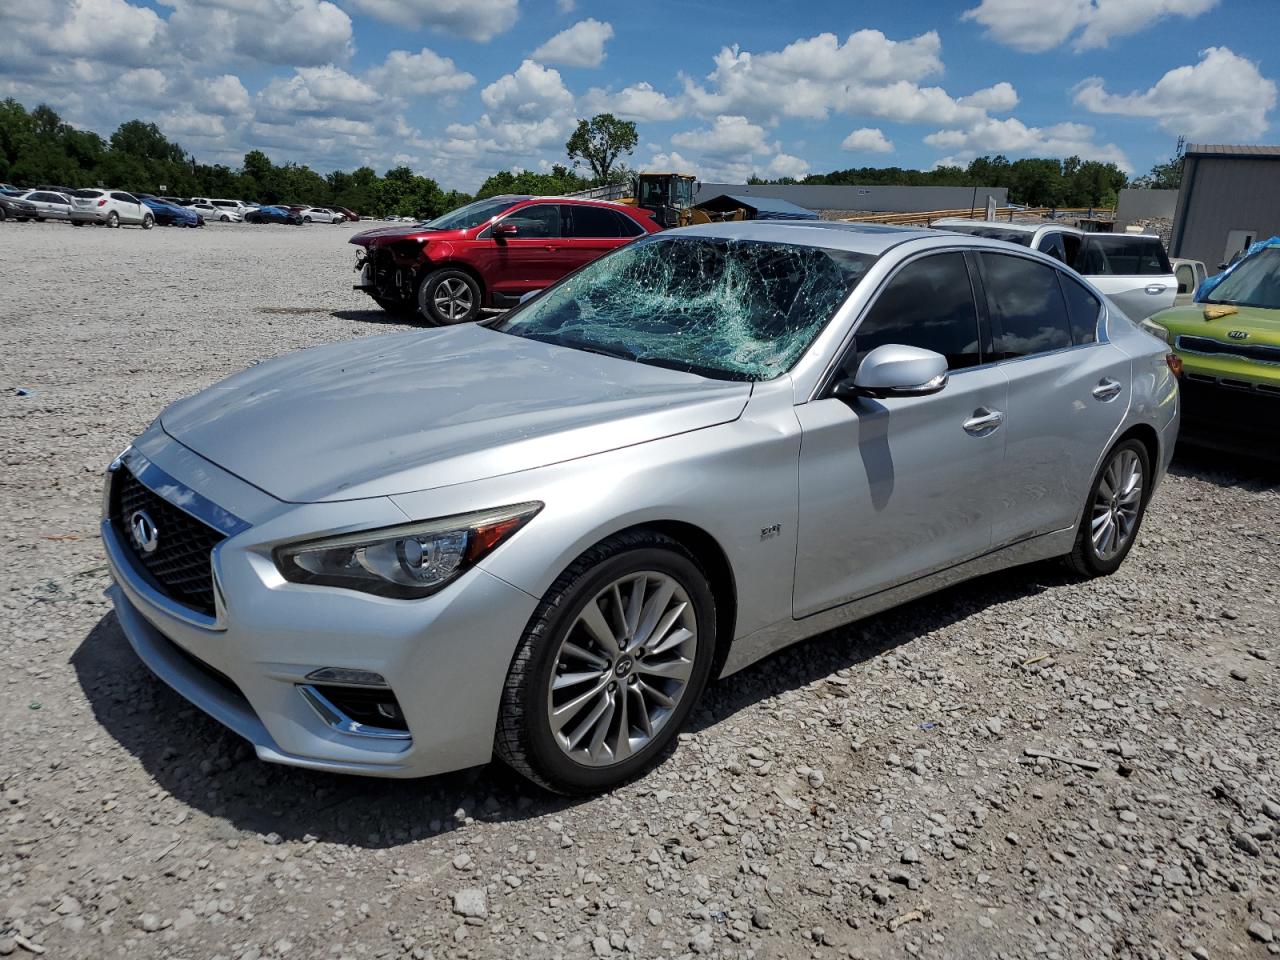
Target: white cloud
{"points": [[1012, 136], [221, 95], [867, 140], [294, 33], [728, 136], [320, 92], [108, 31], [405, 74], [566, 6], [146, 86], [810, 77], [640, 101], [581, 45], [1222, 98], [532, 92], [785, 165], [1038, 25], [479, 20]]}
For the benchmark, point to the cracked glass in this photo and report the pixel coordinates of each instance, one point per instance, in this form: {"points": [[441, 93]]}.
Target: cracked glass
{"points": [[723, 308]]}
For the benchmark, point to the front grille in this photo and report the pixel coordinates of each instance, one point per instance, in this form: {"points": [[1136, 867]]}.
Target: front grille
{"points": [[1257, 352], [180, 565]]}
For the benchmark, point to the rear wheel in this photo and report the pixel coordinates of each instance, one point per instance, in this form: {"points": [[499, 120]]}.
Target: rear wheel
{"points": [[306, 219], [1114, 511], [612, 662], [449, 296], [113, 219]]}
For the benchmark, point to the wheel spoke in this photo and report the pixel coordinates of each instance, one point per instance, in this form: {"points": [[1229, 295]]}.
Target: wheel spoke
{"points": [[564, 680], [654, 693], [622, 744], [600, 725], [671, 641], [562, 714], [652, 616], [641, 709], [588, 723], [669, 669], [594, 620], [573, 650], [635, 605]]}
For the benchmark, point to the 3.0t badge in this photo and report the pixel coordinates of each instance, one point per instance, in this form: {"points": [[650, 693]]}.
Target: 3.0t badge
{"points": [[143, 530]]}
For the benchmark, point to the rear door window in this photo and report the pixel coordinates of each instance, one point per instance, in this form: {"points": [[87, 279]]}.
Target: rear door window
{"points": [[1027, 309], [123, 198], [928, 303], [1051, 243], [1119, 255], [590, 222], [1082, 310]]}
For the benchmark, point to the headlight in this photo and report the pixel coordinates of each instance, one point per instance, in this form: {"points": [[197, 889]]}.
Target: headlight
{"points": [[1155, 329], [413, 560]]}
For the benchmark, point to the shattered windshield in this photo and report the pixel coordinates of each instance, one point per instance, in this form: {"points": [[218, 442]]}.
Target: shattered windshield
{"points": [[472, 215], [1253, 283], [729, 309]]}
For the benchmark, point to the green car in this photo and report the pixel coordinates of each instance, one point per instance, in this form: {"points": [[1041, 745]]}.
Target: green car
{"points": [[1229, 345]]}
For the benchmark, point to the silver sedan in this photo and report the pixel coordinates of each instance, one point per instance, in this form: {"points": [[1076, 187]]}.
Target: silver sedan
{"points": [[541, 536]]}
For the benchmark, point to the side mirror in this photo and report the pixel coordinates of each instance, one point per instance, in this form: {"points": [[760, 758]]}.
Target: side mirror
{"points": [[895, 370], [502, 230]]}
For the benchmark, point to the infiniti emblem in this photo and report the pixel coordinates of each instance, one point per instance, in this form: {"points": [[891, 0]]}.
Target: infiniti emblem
{"points": [[143, 531]]}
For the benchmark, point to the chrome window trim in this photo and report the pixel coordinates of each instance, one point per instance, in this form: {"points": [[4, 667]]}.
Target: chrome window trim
{"points": [[1100, 330], [334, 717]]}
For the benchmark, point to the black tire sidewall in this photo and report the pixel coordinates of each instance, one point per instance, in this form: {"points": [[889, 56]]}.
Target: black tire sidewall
{"points": [[426, 296], [1089, 554], [543, 752], [148, 222]]}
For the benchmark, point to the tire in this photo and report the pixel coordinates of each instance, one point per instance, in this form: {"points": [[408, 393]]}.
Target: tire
{"points": [[148, 222], [77, 223], [1117, 514], [525, 739], [448, 296], [113, 219], [40, 219], [306, 219]]}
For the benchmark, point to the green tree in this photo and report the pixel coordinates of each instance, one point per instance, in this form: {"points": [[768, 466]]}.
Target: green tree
{"points": [[1163, 176], [600, 142]]}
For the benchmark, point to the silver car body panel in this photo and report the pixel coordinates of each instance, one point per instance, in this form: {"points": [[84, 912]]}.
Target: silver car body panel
{"points": [[821, 510]]}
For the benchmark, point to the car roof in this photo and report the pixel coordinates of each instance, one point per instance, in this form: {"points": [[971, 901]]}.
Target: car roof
{"points": [[869, 238], [1016, 225]]}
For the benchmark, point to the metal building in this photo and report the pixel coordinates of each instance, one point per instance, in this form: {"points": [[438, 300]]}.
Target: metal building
{"points": [[871, 199], [1230, 197]]}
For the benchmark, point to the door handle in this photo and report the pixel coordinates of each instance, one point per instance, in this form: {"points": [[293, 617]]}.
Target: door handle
{"points": [[1107, 389], [984, 422], [1156, 288]]}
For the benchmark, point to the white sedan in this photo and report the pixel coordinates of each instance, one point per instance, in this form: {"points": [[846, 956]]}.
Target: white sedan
{"points": [[321, 215]]}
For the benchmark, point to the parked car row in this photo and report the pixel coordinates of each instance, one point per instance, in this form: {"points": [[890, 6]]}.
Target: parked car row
{"points": [[117, 208]]}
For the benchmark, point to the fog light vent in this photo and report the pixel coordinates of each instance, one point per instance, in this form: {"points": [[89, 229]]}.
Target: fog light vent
{"points": [[359, 711], [363, 678]]}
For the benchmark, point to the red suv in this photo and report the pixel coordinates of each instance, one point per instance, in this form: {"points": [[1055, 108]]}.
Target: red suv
{"points": [[489, 253]]}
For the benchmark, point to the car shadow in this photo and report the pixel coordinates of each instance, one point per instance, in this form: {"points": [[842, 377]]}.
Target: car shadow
{"points": [[206, 766], [377, 316]]}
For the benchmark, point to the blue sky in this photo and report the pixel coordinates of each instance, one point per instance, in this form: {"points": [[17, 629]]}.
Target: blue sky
{"points": [[461, 88]]}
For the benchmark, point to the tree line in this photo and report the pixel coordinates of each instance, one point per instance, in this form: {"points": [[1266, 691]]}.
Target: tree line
{"points": [[38, 147]]}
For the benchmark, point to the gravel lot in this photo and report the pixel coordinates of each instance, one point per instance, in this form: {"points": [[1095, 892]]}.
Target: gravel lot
{"points": [[1024, 766]]}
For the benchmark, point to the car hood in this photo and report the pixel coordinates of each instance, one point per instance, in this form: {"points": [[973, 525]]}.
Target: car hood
{"points": [[1261, 322], [405, 412], [398, 232]]}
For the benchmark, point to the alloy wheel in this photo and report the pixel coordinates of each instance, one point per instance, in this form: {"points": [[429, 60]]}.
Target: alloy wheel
{"points": [[622, 669], [452, 299], [1117, 504]]}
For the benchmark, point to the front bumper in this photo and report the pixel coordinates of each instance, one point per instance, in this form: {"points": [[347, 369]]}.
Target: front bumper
{"points": [[1230, 415], [445, 657]]}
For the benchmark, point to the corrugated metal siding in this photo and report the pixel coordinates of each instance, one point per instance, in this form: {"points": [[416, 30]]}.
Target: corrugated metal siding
{"points": [[869, 199], [1221, 194]]}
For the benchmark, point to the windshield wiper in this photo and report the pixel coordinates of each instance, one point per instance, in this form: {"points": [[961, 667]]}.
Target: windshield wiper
{"points": [[614, 350]]}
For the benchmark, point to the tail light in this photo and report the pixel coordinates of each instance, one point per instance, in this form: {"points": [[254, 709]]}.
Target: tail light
{"points": [[102, 202], [1175, 363]]}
